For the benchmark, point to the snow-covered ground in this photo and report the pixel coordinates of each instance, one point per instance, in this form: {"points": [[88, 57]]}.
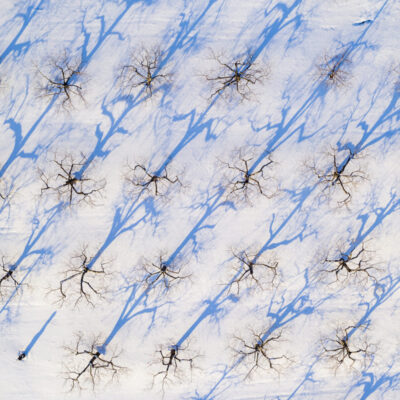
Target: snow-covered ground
{"points": [[167, 297]]}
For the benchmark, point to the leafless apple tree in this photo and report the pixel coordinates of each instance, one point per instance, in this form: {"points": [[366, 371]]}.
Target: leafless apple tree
{"points": [[140, 180], [88, 366], [164, 273], [8, 279], [7, 191], [347, 348], [71, 186], [244, 180], [333, 70], [143, 71], [253, 270], [235, 77], [174, 364], [83, 279], [355, 265], [341, 175], [62, 78], [260, 351]]}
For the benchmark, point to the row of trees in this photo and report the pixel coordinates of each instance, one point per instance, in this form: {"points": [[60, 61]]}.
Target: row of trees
{"points": [[145, 71], [85, 280], [256, 352], [243, 180]]}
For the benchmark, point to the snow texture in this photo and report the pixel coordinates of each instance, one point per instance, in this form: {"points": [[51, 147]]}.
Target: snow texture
{"points": [[199, 199]]}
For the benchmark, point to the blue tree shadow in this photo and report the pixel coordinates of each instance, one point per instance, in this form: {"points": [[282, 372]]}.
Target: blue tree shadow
{"points": [[391, 113], [281, 312], [129, 312], [19, 138], [21, 48], [211, 205], [283, 129], [280, 23], [309, 377], [183, 37], [371, 384], [30, 250], [121, 222], [28, 348], [138, 297]]}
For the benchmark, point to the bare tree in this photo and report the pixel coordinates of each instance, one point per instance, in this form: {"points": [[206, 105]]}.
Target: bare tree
{"points": [[174, 363], [340, 175], [7, 192], [4, 191], [89, 366], [69, 184], [345, 349], [140, 180], [144, 71], [61, 80], [333, 69], [252, 270], [351, 264], [235, 77], [7, 278], [259, 352], [164, 273], [82, 281], [245, 181]]}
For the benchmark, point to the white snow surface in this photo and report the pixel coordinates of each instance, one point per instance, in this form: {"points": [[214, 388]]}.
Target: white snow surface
{"points": [[294, 116]]}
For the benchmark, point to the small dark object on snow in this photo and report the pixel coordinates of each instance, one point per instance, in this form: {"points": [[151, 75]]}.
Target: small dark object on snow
{"points": [[367, 21]]}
